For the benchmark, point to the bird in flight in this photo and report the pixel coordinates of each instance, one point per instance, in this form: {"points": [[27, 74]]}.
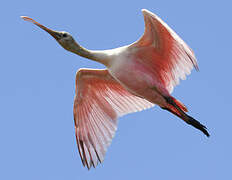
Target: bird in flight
{"points": [[137, 77]]}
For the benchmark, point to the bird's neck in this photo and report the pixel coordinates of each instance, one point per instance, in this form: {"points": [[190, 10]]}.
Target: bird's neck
{"points": [[99, 56]]}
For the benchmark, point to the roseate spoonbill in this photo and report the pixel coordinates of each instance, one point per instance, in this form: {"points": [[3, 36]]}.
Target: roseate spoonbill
{"points": [[137, 77]]}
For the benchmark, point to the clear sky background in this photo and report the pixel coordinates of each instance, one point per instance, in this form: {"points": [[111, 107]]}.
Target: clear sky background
{"points": [[37, 81]]}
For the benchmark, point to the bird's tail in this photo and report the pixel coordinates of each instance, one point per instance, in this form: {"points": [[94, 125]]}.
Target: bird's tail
{"points": [[179, 109]]}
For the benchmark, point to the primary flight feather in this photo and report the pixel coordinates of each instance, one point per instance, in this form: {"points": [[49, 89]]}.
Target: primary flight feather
{"points": [[137, 77]]}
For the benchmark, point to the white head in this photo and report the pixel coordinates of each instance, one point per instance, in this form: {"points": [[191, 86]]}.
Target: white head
{"points": [[65, 40], [62, 37], [68, 43]]}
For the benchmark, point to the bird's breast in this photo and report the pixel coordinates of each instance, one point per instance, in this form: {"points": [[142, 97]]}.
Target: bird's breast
{"points": [[132, 74]]}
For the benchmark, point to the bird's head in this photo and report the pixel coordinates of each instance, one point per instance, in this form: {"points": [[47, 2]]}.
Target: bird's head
{"points": [[68, 43], [63, 38]]}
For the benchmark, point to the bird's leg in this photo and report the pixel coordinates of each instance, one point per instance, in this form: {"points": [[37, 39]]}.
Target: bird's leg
{"points": [[175, 109]]}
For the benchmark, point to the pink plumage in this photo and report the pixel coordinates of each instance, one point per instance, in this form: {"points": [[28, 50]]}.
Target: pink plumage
{"points": [[137, 77], [99, 101]]}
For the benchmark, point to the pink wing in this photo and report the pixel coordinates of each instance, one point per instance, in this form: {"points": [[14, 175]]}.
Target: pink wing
{"points": [[99, 101], [164, 52]]}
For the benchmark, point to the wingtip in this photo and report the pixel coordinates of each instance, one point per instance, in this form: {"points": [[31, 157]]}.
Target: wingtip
{"points": [[145, 11], [196, 67]]}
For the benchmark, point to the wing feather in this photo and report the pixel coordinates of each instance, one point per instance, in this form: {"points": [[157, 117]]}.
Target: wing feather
{"points": [[99, 101], [169, 57]]}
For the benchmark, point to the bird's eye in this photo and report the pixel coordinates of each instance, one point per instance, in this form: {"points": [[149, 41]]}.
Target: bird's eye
{"points": [[65, 35]]}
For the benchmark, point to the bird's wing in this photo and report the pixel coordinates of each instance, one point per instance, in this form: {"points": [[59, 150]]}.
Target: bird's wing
{"points": [[164, 51], [99, 101]]}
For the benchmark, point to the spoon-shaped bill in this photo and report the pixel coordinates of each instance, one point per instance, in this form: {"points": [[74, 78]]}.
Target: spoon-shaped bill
{"points": [[53, 33]]}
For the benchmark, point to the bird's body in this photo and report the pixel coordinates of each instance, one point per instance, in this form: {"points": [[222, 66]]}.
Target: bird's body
{"points": [[136, 77]]}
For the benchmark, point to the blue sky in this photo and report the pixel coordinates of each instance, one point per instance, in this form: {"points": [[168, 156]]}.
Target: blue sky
{"points": [[37, 88]]}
